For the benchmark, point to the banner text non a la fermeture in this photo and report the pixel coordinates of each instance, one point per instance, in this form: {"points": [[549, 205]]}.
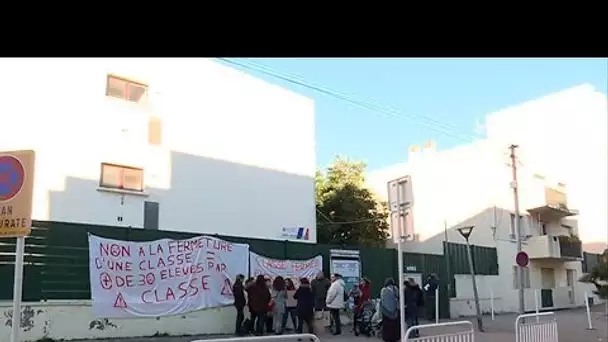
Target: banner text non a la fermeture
{"points": [[163, 277]]}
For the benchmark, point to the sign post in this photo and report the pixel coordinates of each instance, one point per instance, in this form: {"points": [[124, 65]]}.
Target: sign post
{"points": [[400, 204], [522, 259], [16, 192]]}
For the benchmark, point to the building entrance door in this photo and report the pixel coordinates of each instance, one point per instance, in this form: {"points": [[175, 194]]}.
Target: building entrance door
{"points": [[547, 278], [570, 276]]}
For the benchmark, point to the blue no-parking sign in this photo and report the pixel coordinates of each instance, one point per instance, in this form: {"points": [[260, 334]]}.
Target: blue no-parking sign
{"points": [[16, 190]]}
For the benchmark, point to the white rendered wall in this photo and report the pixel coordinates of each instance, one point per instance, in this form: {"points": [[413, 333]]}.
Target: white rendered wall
{"points": [[238, 154]]}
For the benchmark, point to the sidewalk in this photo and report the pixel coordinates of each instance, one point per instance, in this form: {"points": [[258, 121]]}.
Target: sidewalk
{"points": [[572, 325]]}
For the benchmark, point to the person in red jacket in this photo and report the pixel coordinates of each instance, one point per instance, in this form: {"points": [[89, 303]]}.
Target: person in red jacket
{"points": [[361, 294]]}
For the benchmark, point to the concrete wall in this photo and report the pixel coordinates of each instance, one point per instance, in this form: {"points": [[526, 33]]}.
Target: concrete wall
{"points": [[237, 155], [76, 320]]}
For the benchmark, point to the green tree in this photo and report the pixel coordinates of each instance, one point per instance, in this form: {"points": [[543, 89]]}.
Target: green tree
{"points": [[598, 276], [347, 212]]}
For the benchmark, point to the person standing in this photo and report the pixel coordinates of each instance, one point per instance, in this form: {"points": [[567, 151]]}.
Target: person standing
{"points": [[238, 290], [362, 293], [250, 324], [320, 285], [389, 311], [291, 305], [279, 305], [259, 298], [305, 306], [268, 319], [414, 299], [335, 301], [429, 288]]}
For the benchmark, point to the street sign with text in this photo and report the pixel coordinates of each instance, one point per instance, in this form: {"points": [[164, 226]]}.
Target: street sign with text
{"points": [[16, 192]]}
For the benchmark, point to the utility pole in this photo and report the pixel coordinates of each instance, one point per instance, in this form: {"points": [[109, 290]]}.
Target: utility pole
{"points": [[514, 185], [448, 262]]}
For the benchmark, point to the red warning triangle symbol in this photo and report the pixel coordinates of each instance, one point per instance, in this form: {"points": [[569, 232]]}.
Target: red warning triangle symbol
{"points": [[227, 289], [120, 302]]}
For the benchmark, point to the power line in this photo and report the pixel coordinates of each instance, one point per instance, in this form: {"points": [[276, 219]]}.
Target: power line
{"points": [[352, 96], [349, 222], [423, 121], [434, 125], [324, 216], [332, 222], [429, 123]]}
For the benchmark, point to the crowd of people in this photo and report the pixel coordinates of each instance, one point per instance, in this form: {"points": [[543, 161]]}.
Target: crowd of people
{"points": [[272, 303], [414, 300]]}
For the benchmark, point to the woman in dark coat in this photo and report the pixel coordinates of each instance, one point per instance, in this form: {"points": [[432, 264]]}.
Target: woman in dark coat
{"points": [[259, 298], [413, 301], [389, 308], [305, 306]]}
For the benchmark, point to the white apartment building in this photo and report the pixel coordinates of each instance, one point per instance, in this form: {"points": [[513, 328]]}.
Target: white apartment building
{"points": [[566, 134], [471, 185], [173, 144]]}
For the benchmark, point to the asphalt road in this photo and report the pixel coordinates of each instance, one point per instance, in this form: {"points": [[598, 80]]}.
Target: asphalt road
{"points": [[572, 327]]}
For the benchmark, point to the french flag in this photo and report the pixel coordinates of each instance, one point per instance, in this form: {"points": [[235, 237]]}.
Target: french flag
{"points": [[303, 233]]}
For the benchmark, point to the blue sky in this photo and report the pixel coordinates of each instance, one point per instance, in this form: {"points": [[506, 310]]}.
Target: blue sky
{"points": [[456, 92]]}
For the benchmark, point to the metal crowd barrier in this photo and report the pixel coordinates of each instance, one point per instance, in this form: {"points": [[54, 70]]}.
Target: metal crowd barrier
{"points": [[467, 335], [275, 338], [536, 327]]}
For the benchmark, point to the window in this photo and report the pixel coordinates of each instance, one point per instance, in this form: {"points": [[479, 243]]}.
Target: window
{"points": [[151, 215], [155, 131], [516, 277], [121, 177], [127, 90]]}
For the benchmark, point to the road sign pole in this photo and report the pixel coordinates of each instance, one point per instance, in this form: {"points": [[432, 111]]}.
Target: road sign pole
{"points": [[16, 193], [18, 289], [400, 286], [400, 203]]}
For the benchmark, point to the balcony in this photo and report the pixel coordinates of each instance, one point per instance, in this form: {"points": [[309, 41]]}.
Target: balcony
{"points": [[553, 207], [564, 248]]}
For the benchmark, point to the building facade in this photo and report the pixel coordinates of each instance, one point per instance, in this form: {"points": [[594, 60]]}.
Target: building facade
{"points": [[565, 134], [471, 185], [176, 144]]}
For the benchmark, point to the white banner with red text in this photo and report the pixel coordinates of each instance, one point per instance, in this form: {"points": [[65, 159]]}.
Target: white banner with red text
{"points": [[292, 269], [163, 277]]}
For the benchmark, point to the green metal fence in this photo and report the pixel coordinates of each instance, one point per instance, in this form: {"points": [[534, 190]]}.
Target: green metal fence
{"points": [[485, 259], [56, 263], [590, 260]]}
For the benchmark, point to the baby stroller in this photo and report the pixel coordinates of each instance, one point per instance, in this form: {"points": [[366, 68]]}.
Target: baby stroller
{"points": [[376, 321], [363, 320]]}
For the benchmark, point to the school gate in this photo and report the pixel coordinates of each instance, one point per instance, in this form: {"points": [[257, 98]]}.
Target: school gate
{"points": [[56, 263]]}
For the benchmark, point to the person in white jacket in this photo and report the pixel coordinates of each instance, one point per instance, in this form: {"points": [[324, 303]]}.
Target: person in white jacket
{"points": [[335, 301]]}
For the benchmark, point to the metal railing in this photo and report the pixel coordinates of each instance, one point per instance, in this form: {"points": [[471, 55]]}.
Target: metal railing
{"points": [[541, 329], [467, 335], [275, 338]]}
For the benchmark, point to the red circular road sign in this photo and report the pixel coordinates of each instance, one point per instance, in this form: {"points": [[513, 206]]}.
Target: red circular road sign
{"points": [[12, 177], [522, 259]]}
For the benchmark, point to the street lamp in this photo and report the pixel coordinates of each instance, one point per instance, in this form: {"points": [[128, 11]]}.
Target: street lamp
{"points": [[466, 233]]}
